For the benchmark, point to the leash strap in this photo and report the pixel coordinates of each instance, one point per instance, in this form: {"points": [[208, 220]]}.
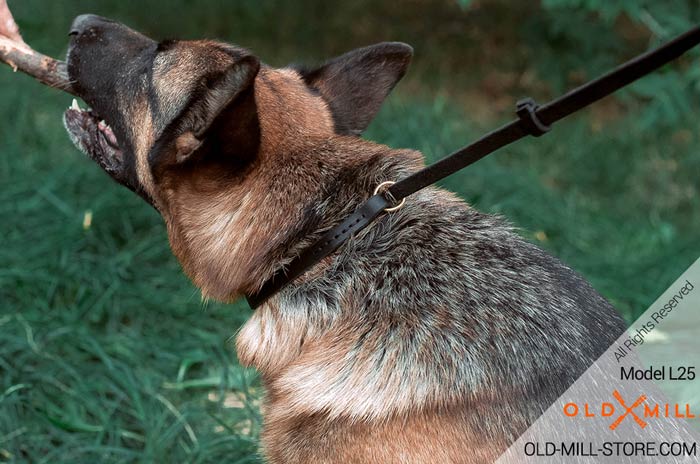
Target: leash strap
{"points": [[532, 120]]}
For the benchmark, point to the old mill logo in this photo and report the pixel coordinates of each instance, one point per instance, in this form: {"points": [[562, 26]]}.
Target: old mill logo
{"points": [[639, 411]]}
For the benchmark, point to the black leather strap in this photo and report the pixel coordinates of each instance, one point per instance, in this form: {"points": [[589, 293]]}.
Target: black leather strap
{"points": [[327, 244], [526, 109], [532, 120], [550, 113]]}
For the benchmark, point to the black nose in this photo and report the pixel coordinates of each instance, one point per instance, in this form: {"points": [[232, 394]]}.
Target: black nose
{"points": [[86, 22]]}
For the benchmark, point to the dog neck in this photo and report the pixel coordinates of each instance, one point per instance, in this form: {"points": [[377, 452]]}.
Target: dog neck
{"points": [[232, 237], [326, 345]]}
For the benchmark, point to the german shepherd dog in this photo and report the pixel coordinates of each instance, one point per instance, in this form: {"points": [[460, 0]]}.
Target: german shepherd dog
{"points": [[436, 335]]}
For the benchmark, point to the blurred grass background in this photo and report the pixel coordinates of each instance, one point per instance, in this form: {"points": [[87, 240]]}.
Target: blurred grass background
{"points": [[107, 353]]}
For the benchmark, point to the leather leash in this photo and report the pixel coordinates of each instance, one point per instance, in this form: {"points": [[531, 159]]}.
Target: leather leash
{"points": [[532, 120]]}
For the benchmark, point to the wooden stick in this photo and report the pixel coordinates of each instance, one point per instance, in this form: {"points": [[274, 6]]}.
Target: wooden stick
{"points": [[20, 56]]}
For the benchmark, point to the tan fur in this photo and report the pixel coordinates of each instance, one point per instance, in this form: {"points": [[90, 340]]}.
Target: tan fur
{"points": [[240, 215], [177, 71], [428, 437], [271, 340], [318, 387], [140, 111], [289, 112]]}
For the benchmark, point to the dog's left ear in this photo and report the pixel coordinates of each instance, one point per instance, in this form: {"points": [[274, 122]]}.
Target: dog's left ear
{"points": [[355, 84], [225, 99]]}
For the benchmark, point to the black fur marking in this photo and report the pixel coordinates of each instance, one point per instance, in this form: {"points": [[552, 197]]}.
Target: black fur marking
{"points": [[229, 126], [355, 84], [166, 44]]}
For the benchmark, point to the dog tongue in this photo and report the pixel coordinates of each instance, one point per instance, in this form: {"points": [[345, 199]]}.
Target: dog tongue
{"points": [[102, 126], [108, 133]]}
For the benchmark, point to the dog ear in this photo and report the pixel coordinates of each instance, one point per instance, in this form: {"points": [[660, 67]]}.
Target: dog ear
{"points": [[225, 102], [355, 84]]}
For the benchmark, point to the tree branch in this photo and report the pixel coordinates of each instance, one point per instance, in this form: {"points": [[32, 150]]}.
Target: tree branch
{"points": [[20, 56]]}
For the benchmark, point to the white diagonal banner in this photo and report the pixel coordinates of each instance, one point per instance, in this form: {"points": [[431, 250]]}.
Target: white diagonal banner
{"points": [[639, 402]]}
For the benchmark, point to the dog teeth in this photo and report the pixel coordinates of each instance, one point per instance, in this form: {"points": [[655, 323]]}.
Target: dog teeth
{"points": [[74, 105]]}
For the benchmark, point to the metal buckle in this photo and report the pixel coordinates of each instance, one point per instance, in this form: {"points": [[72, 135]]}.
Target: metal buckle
{"points": [[382, 188]]}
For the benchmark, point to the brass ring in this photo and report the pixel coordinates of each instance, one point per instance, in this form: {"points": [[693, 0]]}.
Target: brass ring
{"points": [[383, 185]]}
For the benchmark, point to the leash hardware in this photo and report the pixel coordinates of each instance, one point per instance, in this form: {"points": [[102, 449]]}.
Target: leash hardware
{"points": [[528, 122], [526, 109], [383, 188]]}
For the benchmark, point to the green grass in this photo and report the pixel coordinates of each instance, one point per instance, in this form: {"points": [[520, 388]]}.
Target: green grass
{"points": [[107, 353]]}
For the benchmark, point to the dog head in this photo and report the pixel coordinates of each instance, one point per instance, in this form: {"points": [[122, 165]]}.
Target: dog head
{"points": [[195, 127]]}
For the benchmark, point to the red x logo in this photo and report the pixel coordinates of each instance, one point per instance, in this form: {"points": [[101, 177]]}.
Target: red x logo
{"points": [[628, 411]]}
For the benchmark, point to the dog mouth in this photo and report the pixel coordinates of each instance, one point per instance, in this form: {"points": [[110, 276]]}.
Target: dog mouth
{"points": [[93, 136]]}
